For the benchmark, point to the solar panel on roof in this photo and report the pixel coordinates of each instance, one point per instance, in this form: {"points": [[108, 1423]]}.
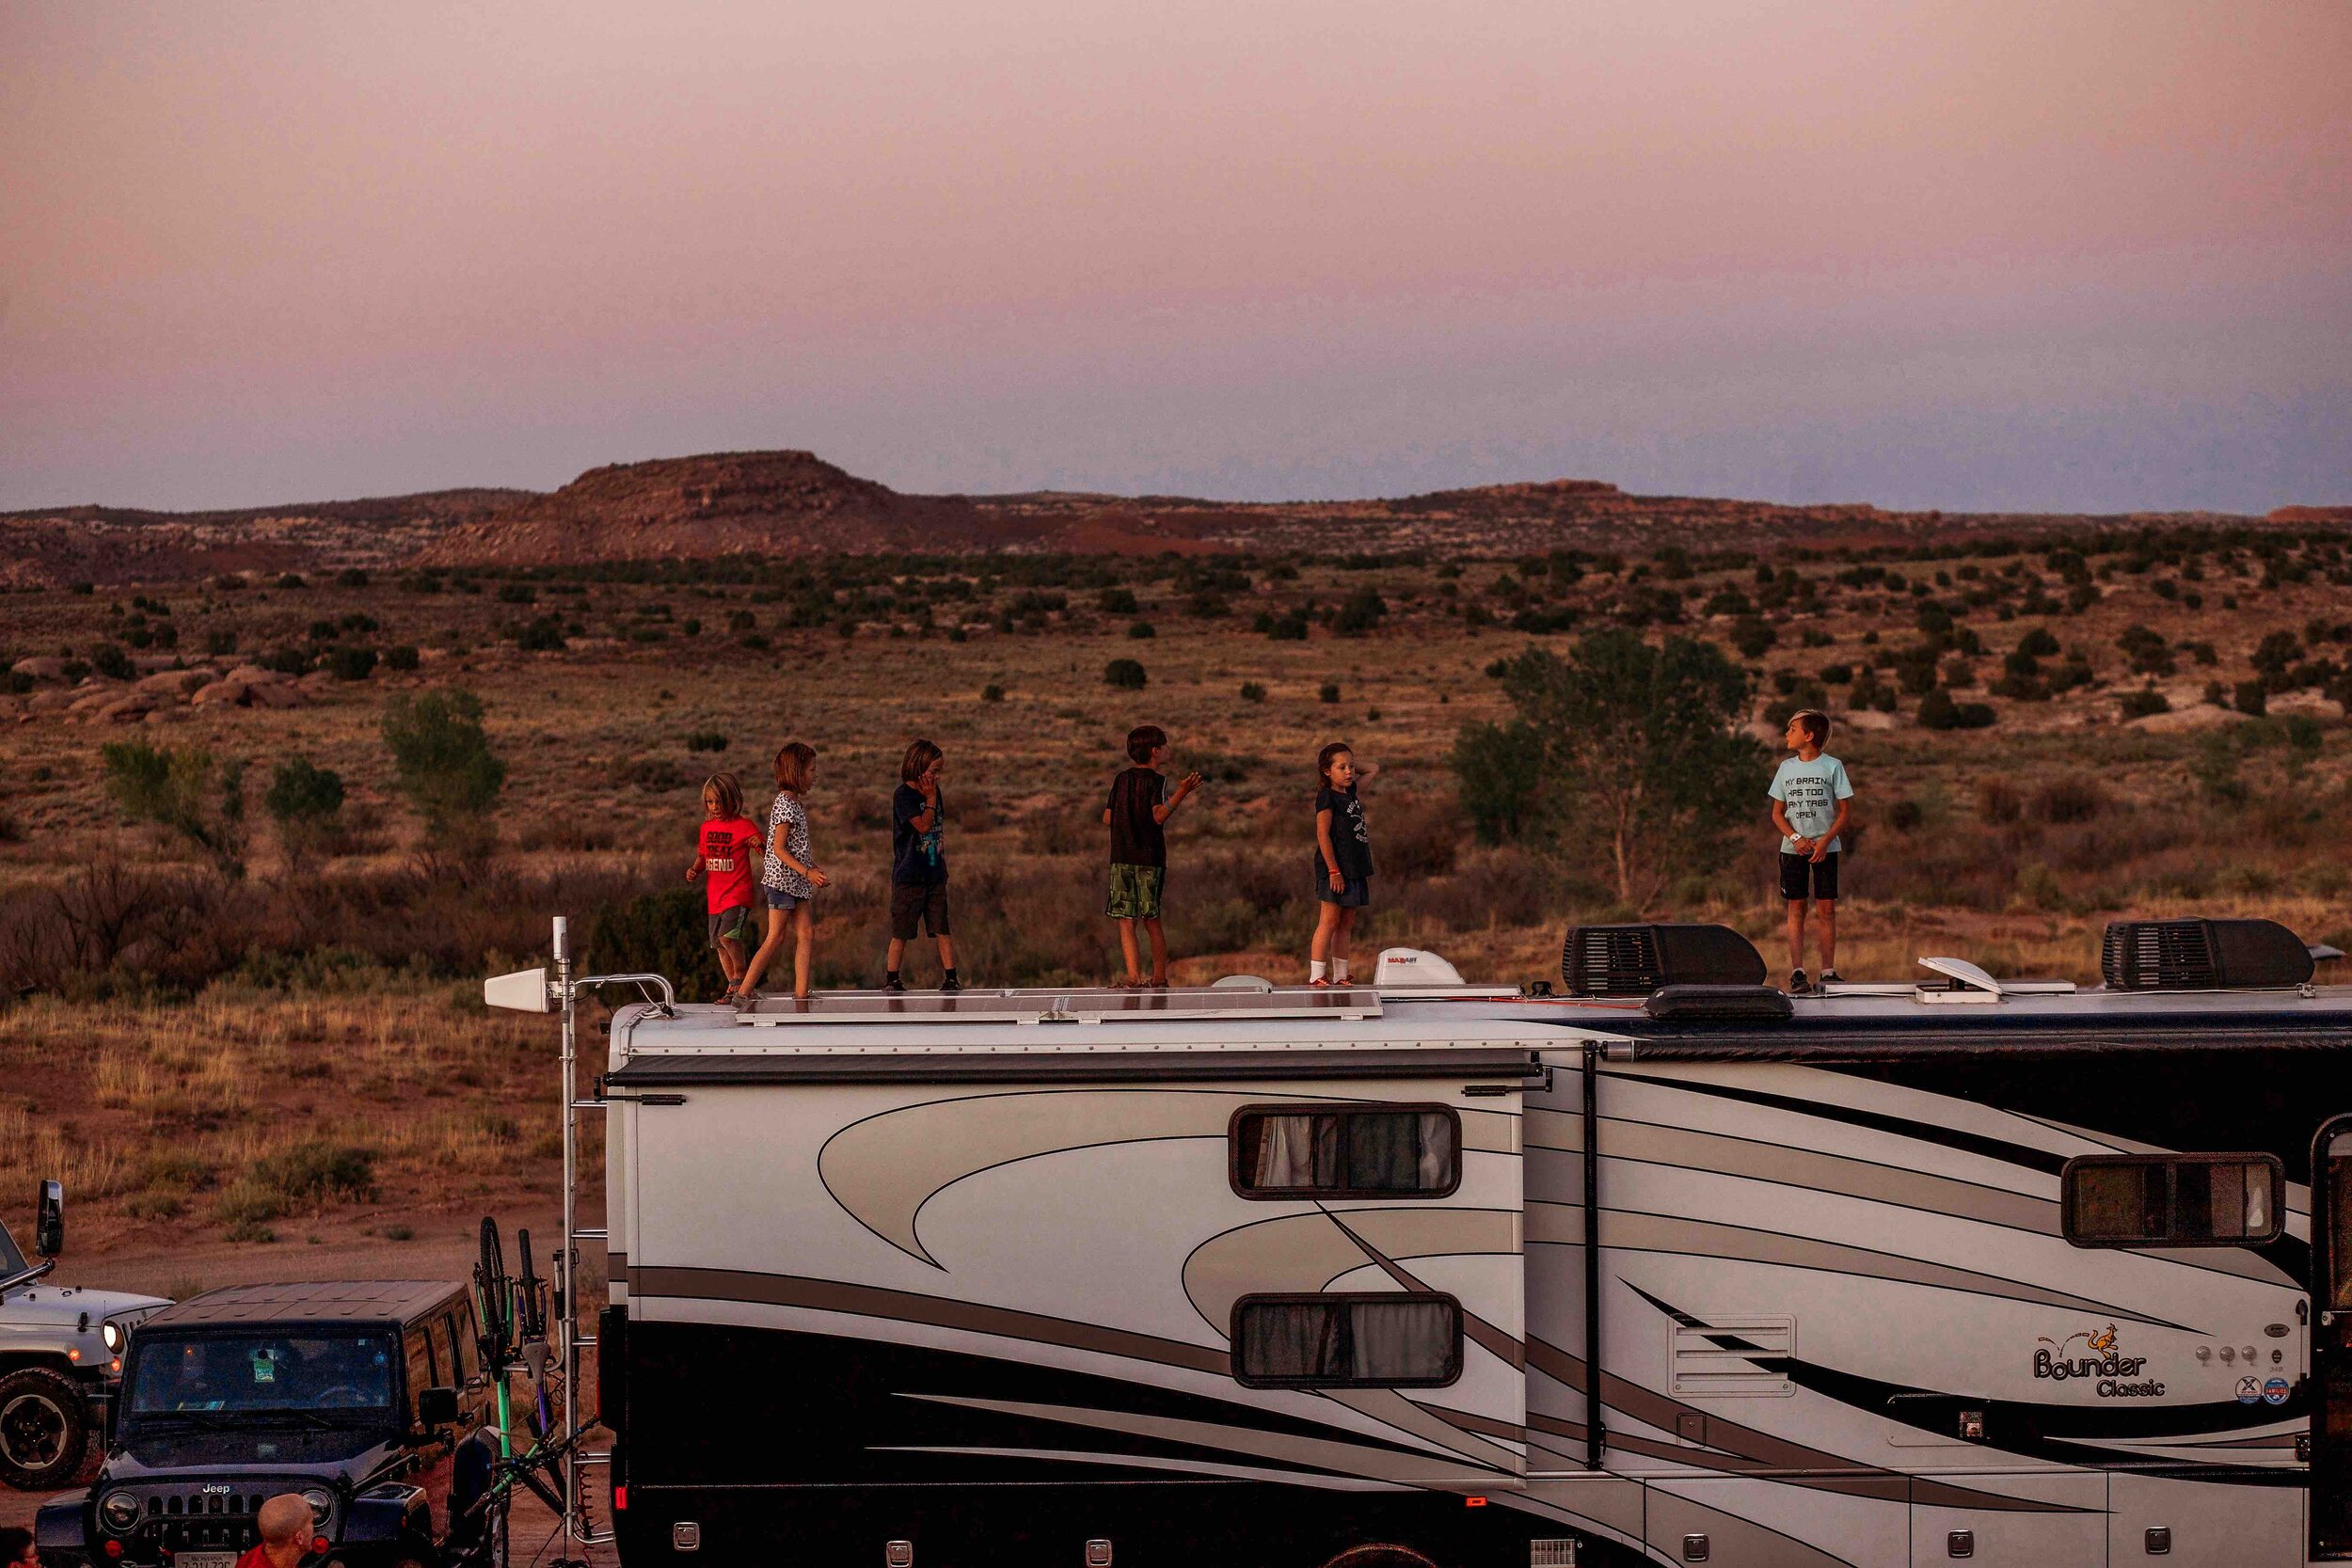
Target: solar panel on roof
{"points": [[1077, 1003]]}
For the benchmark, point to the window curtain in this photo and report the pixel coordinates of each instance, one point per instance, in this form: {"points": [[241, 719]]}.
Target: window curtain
{"points": [[1401, 1340], [1297, 1151], [1289, 1339]]}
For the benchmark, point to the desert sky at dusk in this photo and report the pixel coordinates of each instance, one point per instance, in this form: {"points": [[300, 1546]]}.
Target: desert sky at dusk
{"points": [[1972, 254]]}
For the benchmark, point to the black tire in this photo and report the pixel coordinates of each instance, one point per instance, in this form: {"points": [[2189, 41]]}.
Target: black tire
{"points": [[44, 1430], [1380, 1557]]}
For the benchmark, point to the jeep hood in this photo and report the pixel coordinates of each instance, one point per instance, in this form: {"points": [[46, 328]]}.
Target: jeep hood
{"points": [[42, 1301]]}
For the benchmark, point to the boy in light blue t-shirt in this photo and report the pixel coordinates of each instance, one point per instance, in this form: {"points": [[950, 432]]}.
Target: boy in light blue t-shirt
{"points": [[1810, 806]]}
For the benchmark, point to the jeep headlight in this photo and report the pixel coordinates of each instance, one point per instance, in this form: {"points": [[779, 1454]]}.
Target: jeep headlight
{"points": [[118, 1511], [111, 1332], [322, 1503]]}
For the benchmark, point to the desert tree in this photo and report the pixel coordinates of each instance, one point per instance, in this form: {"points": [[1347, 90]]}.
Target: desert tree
{"points": [[1642, 756], [184, 790], [443, 761]]}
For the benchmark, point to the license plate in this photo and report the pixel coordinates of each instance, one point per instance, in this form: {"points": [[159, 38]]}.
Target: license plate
{"points": [[205, 1559]]}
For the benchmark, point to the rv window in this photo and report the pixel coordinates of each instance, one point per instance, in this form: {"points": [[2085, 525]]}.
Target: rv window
{"points": [[1382, 1341], [1318, 1151], [2171, 1199]]}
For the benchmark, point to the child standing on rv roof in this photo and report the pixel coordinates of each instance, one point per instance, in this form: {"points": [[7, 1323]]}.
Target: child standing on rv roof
{"points": [[1810, 795], [723, 851], [1343, 861], [1138, 814], [790, 880], [918, 867]]}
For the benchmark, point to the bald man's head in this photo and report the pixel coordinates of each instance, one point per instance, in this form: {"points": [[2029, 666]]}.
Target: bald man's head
{"points": [[284, 1519]]}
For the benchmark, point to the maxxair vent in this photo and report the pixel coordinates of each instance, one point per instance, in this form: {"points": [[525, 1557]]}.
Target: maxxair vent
{"points": [[1635, 961], [2203, 955]]}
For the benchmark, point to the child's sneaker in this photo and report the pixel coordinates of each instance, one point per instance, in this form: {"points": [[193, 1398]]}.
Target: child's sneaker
{"points": [[1318, 985], [895, 985], [951, 985], [1798, 985], [1830, 978]]}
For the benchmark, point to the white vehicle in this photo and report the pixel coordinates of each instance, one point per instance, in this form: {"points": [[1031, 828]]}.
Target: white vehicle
{"points": [[1287, 1278], [60, 1356]]}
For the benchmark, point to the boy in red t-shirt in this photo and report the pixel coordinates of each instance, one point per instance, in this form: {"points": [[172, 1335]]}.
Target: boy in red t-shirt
{"points": [[726, 854]]}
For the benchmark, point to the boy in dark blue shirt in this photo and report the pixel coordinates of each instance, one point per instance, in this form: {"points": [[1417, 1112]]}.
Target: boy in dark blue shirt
{"points": [[918, 867]]}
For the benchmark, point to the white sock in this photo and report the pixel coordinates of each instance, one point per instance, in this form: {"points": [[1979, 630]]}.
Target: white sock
{"points": [[1339, 970], [1314, 969]]}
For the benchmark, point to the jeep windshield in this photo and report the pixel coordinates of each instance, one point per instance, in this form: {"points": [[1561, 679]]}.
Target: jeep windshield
{"points": [[311, 1378], [11, 1262]]}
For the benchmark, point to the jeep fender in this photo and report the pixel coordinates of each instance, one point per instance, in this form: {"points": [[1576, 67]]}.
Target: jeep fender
{"points": [[59, 1530], [387, 1513]]}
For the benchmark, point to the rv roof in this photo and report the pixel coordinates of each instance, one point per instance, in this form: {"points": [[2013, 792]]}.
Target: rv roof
{"points": [[1094, 1004]]}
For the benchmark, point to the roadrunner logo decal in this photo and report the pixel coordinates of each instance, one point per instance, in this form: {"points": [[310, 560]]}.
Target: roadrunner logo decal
{"points": [[2114, 1371]]}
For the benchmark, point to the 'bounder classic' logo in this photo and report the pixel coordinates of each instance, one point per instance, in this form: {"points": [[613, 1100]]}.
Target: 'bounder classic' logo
{"points": [[2118, 1377]]}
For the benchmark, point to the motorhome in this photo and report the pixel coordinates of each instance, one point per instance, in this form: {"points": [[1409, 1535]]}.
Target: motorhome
{"points": [[1652, 1264]]}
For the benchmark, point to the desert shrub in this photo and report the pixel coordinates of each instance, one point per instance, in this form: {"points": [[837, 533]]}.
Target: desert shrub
{"points": [[654, 775], [1997, 800], [350, 663], [351, 576], [2149, 653], [183, 791], [1142, 631], [1939, 711], [2038, 643], [1289, 627], [1329, 692], [517, 592], [303, 795], [1836, 675], [111, 661], [317, 1171], [1753, 638], [401, 656], [220, 640], [2215, 768], [706, 740], [2252, 697], [658, 933], [441, 757], [1362, 612], [1125, 675], [545, 635], [991, 692], [1498, 769], [1116, 601], [2143, 704], [1252, 691], [2069, 798], [1905, 815]]}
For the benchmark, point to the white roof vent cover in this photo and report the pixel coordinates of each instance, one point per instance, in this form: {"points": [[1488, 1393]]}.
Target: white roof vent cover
{"points": [[1967, 976]]}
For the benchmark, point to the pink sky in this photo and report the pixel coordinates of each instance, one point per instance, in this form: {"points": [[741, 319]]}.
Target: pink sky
{"points": [[1970, 254]]}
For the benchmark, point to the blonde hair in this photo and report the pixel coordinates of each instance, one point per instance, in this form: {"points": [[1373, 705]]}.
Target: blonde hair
{"points": [[730, 792]]}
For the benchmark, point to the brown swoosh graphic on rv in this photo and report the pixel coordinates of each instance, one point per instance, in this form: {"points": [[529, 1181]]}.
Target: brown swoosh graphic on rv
{"points": [[882, 1169], [1296, 1253], [1629, 1230], [1648, 1142]]}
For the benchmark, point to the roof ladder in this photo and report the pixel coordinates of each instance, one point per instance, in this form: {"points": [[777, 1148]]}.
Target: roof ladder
{"points": [[576, 1526]]}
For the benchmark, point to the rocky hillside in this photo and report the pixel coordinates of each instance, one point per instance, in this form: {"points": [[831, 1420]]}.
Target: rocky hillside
{"points": [[786, 503]]}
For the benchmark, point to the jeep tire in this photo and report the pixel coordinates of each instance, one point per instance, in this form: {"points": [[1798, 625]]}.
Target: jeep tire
{"points": [[45, 1429]]}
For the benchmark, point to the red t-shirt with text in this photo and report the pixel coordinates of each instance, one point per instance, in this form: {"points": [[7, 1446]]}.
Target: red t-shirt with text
{"points": [[730, 846]]}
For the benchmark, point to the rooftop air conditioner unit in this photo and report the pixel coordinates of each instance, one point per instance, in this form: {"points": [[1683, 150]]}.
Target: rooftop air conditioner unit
{"points": [[1635, 961], [2203, 955]]}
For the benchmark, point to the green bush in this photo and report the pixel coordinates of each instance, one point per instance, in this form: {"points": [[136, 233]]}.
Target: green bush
{"points": [[1124, 673], [545, 635], [991, 692], [182, 791], [300, 792], [2252, 697], [441, 757], [2143, 704], [1116, 601], [1362, 611], [706, 740], [1938, 711], [351, 664], [1328, 692], [401, 656], [658, 933], [1141, 631], [1252, 691], [111, 662]]}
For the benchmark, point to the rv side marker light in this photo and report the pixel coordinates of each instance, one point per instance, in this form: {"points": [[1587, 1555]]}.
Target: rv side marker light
{"points": [[1473, 1502], [620, 1499]]}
